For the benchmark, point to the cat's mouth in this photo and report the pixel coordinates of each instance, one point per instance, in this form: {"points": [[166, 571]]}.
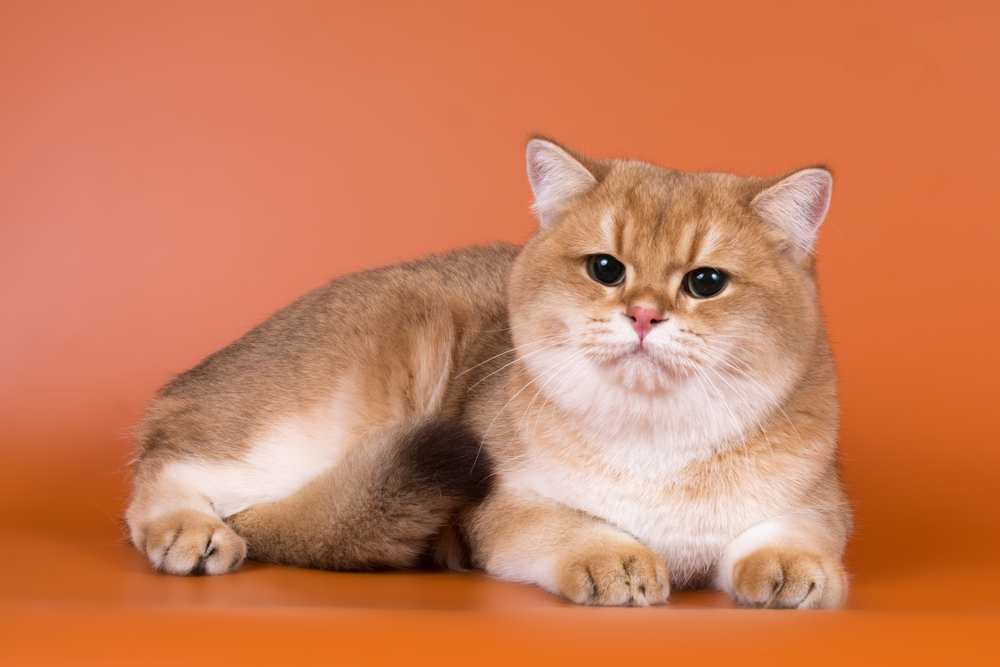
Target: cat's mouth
{"points": [[667, 361], [640, 351], [626, 353], [655, 354], [644, 368], [646, 355]]}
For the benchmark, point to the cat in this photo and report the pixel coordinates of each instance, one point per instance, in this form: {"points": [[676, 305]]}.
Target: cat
{"points": [[641, 398]]}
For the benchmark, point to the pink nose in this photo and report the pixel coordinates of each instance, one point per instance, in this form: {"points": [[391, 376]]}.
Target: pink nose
{"points": [[643, 318]]}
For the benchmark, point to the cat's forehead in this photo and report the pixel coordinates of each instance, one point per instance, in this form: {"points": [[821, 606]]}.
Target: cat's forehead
{"points": [[654, 193], [671, 215]]}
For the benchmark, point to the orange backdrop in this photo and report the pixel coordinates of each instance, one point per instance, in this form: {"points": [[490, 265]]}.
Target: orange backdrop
{"points": [[171, 173]]}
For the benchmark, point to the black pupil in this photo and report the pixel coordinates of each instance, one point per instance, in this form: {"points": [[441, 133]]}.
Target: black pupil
{"points": [[706, 282], [606, 269]]}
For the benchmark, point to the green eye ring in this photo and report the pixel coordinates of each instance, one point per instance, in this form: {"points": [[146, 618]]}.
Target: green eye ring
{"points": [[606, 270], [705, 282]]}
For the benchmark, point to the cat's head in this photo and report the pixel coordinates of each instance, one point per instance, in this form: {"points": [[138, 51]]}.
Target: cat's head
{"points": [[654, 280]]}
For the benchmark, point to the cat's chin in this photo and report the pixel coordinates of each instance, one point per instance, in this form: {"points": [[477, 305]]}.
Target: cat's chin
{"points": [[643, 370]]}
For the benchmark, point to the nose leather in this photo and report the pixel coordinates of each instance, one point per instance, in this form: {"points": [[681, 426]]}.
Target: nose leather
{"points": [[643, 319]]}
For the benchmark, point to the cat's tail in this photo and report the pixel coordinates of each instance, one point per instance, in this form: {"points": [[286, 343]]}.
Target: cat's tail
{"points": [[391, 502]]}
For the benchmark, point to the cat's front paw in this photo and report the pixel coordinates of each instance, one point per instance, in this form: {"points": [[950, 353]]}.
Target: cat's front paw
{"points": [[192, 542], [615, 575], [789, 578]]}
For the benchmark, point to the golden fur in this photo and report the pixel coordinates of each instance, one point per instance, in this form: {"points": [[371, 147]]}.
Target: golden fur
{"points": [[495, 404]]}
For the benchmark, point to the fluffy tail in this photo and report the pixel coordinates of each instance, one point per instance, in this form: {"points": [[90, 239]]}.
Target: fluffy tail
{"points": [[390, 503]]}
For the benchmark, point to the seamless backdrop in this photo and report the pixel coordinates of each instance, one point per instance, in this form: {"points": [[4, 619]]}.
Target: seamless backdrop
{"points": [[171, 173]]}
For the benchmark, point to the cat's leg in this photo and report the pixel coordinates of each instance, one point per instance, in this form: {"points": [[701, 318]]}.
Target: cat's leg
{"points": [[383, 505], [564, 551], [185, 484], [197, 465], [785, 563], [379, 505], [176, 527]]}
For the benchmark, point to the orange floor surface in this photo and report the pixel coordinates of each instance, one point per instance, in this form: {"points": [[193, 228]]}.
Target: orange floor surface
{"points": [[173, 172], [74, 593]]}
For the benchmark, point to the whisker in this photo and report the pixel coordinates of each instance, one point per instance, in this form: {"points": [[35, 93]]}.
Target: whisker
{"points": [[715, 334], [732, 366], [572, 357], [511, 350], [484, 330], [490, 427], [555, 391], [506, 384], [750, 408], [523, 356], [736, 423], [548, 375]]}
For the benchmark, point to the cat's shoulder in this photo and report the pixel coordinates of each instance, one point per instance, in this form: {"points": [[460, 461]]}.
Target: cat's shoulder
{"points": [[494, 259], [475, 270]]}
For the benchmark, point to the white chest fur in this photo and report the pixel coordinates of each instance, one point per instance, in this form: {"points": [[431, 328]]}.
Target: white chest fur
{"points": [[689, 533], [631, 470]]}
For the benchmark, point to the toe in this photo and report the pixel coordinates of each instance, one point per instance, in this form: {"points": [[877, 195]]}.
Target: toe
{"points": [[190, 542], [625, 575], [788, 578]]}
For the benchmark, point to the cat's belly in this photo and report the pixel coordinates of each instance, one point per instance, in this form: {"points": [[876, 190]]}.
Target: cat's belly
{"points": [[690, 534]]}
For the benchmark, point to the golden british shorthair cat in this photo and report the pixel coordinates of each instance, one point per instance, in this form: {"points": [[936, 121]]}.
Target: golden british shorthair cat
{"points": [[641, 397]]}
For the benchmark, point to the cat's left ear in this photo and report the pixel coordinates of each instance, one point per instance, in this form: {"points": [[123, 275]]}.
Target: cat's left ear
{"points": [[556, 178], [796, 205]]}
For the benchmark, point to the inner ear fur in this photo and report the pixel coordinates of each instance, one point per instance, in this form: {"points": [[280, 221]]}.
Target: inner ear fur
{"points": [[558, 175], [796, 204]]}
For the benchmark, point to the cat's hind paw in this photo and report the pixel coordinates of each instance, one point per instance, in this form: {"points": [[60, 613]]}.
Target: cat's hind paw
{"points": [[620, 575], [788, 578], [192, 542]]}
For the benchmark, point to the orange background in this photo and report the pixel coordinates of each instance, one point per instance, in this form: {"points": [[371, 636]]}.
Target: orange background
{"points": [[171, 173]]}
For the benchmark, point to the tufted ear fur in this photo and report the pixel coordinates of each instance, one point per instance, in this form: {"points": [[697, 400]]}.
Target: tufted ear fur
{"points": [[796, 205], [556, 178]]}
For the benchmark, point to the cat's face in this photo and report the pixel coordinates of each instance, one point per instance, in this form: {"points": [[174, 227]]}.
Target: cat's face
{"points": [[657, 281]]}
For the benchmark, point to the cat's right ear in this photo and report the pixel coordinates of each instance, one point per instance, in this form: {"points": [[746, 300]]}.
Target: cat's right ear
{"points": [[556, 178]]}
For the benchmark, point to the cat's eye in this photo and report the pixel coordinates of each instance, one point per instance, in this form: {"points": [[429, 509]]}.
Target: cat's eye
{"points": [[606, 270], [705, 282]]}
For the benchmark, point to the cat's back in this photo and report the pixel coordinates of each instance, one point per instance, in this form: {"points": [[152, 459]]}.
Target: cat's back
{"points": [[387, 331], [375, 305]]}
